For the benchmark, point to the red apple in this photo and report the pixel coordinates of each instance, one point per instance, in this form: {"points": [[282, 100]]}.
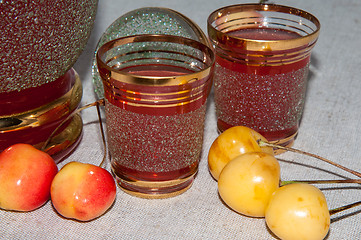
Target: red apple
{"points": [[82, 191], [26, 174]]}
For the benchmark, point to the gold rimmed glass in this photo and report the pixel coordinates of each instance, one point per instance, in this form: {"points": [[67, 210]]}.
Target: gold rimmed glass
{"points": [[262, 62], [155, 89]]}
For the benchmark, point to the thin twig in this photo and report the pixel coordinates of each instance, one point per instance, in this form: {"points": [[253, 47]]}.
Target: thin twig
{"points": [[100, 102], [322, 181], [262, 144], [102, 132], [340, 209]]}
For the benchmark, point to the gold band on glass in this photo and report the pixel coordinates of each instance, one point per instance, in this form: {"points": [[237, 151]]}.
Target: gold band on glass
{"points": [[113, 73], [226, 19], [46, 114], [156, 186], [58, 108]]}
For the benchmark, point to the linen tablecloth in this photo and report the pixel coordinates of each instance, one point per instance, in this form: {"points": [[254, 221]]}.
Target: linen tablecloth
{"points": [[330, 127]]}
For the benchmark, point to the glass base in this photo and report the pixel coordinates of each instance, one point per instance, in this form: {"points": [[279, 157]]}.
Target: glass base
{"points": [[34, 126], [155, 189]]}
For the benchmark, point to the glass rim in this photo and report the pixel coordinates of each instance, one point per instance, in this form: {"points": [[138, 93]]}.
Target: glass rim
{"points": [[121, 76], [254, 45]]}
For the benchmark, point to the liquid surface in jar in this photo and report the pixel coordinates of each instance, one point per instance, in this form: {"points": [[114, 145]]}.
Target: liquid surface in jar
{"points": [[264, 34], [154, 70]]}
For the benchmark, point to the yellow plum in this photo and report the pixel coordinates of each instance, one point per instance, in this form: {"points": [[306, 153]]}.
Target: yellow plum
{"points": [[247, 182], [232, 143], [298, 211]]}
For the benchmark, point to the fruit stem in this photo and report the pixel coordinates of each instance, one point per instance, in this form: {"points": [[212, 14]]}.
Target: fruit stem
{"points": [[263, 144], [322, 181], [99, 102], [340, 209], [102, 131]]}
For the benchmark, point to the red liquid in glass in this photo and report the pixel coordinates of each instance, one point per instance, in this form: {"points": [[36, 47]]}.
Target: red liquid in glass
{"points": [[268, 99], [264, 34], [153, 70], [155, 147]]}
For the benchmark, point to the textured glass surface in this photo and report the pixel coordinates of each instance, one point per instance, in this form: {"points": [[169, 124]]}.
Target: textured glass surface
{"points": [[41, 40], [146, 21], [148, 143], [266, 103], [165, 53]]}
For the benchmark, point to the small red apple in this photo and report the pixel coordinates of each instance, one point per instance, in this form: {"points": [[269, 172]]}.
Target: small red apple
{"points": [[82, 191], [26, 174]]}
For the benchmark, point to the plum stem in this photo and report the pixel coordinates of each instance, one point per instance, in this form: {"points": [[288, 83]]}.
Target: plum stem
{"points": [[322, 181], [97, 103], [340, 209], [263, 143]]}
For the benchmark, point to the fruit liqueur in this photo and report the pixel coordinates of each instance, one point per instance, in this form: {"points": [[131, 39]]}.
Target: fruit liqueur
{"points": [[155, 143], [252, 92]]}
